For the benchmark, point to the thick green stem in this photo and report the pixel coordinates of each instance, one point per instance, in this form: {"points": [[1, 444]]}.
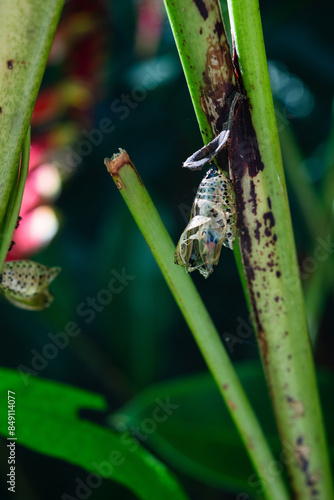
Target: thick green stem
{"points": [[26, 35], [274, 283], [15, 200], [204, 51], [147, 218]]}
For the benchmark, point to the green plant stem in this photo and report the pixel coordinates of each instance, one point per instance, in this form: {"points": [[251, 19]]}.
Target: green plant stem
{"points": [[26, 35], [147, 218], [205, 56], [204, 52], [15, 200], [279, 309]]}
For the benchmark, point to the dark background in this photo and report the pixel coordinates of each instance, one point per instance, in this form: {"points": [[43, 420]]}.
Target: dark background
{"points": [[141, 338]]}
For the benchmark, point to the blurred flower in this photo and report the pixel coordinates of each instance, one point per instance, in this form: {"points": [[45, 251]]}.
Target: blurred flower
{"points": [[75, 75], [36, 230], [149, 27]]}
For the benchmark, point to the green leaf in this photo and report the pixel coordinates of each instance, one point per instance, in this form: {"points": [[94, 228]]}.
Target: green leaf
{"points": [[47, 421], [199, 438]]}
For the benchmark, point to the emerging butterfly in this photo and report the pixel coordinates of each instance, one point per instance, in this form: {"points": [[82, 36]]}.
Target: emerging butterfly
{"points": [[212, 225], [26, 283]]}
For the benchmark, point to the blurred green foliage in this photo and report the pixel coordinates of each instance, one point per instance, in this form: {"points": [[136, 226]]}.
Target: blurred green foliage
{"points": [[140, 338]]}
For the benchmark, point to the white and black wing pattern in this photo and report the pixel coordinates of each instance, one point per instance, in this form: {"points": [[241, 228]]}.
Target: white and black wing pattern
{"points": [[212, 225]]}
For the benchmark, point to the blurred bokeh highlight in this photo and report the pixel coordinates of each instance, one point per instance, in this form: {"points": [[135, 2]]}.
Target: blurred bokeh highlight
{"points": [[114, 80]]}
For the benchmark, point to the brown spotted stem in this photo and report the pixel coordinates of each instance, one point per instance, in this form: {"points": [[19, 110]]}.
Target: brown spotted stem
{"points": [[181, 285], [270, 260], [270, 269]]}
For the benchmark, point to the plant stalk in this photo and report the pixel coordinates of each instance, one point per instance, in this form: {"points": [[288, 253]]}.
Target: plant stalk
{"points": [[26, 35], [15, 200], [181, 285], [268, 250]]}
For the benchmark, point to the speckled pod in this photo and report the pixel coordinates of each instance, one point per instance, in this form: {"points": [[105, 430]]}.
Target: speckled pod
{"points": [[26, 283], [212, 225]]}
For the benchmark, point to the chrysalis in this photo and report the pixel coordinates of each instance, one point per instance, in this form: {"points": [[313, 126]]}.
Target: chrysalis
{"points": [[26, 283], [212, 225]]}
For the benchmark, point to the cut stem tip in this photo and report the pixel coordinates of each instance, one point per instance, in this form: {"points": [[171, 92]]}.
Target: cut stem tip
{"points": [[117, 161]]}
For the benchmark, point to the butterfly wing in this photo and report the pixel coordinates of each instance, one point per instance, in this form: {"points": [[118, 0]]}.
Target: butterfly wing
{"points": [[212, 225]]}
